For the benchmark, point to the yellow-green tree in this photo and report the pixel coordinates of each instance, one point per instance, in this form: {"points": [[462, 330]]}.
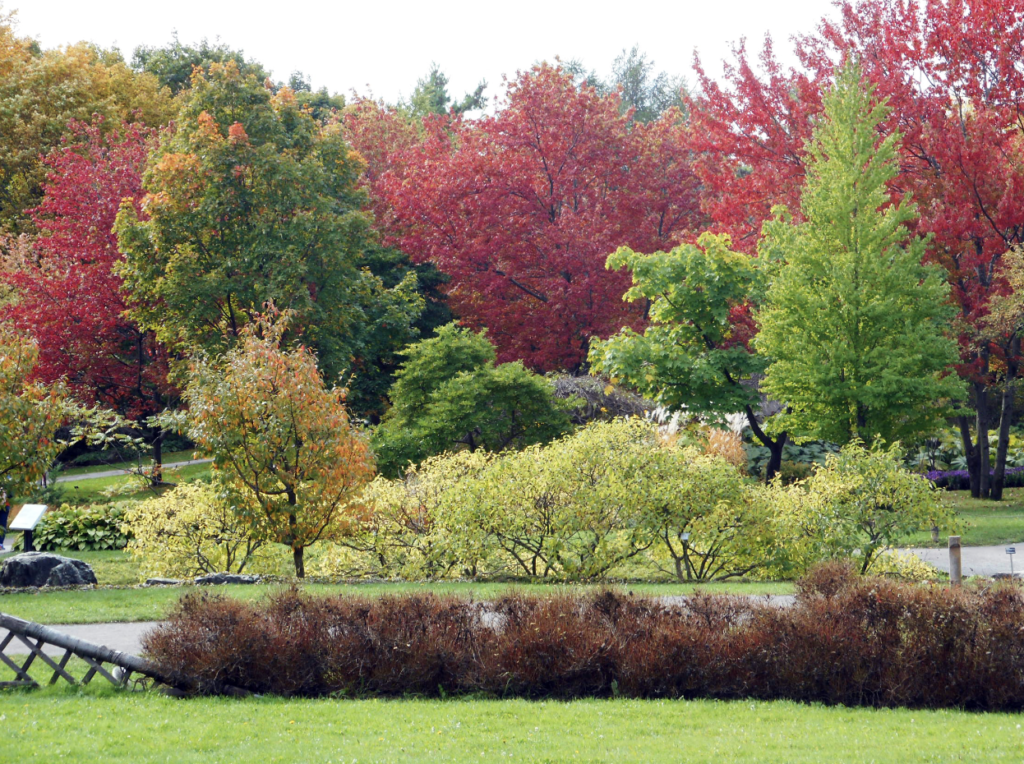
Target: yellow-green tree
{"points": [[853, 322], [251, 200], [280, 436]]}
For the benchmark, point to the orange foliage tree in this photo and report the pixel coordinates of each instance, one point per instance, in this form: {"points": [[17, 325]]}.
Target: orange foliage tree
{"points": [[281, 438]]}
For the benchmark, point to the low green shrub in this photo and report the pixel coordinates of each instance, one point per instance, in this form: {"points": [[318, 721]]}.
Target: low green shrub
{"points": [[860, 503], [92, 527]]}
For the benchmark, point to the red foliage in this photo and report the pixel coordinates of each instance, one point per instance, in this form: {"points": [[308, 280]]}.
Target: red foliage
{"points": [[69, 299], [523, 208], [953, 75]]}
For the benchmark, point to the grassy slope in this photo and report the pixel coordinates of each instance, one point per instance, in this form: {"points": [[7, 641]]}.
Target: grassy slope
{"points": [[985, 522], [90, 725], [168, 458], [103, 605], [94, 489]]}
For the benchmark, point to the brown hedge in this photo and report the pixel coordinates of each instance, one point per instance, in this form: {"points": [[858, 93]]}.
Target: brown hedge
{"points": [[847, 640]]}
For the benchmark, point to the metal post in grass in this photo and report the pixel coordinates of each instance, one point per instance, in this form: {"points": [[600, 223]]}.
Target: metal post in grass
{"points": [[955, 577]]}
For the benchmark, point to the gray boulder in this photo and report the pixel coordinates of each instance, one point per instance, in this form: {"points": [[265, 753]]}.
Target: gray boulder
{"points": [[162, 582], [45, 569], [227, 578]]}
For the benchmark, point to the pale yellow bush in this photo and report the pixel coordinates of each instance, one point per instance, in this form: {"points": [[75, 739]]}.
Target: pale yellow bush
{"points": [[192, 530], [907, 566], [726, 445]]}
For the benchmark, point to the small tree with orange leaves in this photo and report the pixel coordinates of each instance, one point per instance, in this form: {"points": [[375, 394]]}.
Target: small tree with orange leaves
{"points": [[279, 436]]}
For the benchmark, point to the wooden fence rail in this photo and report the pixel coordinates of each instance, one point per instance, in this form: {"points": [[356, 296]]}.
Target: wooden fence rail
{"points": [[34, 636]]}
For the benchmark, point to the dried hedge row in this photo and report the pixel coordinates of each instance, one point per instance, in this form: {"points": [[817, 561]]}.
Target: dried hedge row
{"points": [[848, 640]]}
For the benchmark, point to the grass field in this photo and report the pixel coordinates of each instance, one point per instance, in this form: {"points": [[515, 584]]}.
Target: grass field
{"points": [[986, 523], [168, 458], [108, 605], [101, 724]]}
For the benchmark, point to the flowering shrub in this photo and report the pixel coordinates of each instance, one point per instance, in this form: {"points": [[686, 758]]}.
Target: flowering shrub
{"points": [[960, 480]]}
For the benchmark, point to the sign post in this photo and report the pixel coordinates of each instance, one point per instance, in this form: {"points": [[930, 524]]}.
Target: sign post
{"points": [[1011, 551], [26, 522]]}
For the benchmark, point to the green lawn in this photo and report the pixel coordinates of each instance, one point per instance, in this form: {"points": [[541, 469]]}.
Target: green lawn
{"points": [[93, 490], [100, 724], [986, 523], [103, 605]]}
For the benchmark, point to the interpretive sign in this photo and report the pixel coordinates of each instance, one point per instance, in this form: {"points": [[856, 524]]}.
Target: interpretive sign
{"points": [[28, 517]]}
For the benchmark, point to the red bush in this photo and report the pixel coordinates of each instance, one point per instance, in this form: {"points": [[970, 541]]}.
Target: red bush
{"points": [[849, 640]]}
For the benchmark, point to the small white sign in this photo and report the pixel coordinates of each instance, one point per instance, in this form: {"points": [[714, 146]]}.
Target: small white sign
{"points": [[28, 517], [1011, 550]]}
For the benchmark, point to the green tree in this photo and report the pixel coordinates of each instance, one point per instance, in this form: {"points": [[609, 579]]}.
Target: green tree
{"points": [[695, 354], [853, 322], [251, 201], [431, 96], [173, 64], [450, 395], [649, 94], [280, 436]]}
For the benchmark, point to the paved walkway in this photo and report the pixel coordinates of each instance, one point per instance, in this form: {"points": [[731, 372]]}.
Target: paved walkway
{"points": [[117, 473], [976, 560], [126, 637]]}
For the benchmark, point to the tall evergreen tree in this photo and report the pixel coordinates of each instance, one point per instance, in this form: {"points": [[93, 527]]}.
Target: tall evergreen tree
{"points": [[853, 322]]}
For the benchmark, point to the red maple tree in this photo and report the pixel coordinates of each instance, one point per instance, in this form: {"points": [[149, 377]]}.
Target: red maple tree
{"points": [[522, 208], [69, 296]]}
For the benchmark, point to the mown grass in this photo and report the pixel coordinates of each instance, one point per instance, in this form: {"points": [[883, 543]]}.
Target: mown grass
{"points": [[103, 724], [168, 458], [97, 490], [986, 523], [153, 604]]}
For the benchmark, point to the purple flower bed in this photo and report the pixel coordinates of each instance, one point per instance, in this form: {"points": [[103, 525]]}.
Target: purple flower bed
{"points": [[960, 480]]}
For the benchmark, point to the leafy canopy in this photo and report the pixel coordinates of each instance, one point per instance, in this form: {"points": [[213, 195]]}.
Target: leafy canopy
{"points": [[30, 415], [450, 395], [695, 352], [250, 200], [853, 322]]}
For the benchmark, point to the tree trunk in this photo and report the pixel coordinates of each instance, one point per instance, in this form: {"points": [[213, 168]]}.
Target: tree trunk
{"points": [[158, 458], [774, 446], [775, 459], [300, 564], [970, 452], [982, 448], [1005, 421]]}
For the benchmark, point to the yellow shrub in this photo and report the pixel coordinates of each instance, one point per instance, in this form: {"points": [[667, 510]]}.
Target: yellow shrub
{"points": [[189, 531]]}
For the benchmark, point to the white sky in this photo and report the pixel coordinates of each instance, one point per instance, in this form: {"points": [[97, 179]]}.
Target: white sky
{"points": [[384, 47]]}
